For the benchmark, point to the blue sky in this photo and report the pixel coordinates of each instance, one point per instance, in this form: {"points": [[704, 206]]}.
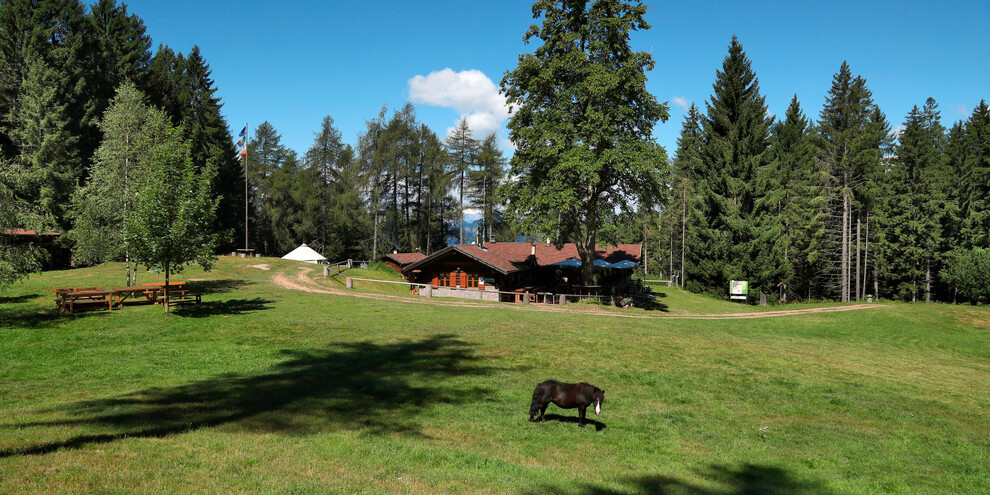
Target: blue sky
{"points": [[293, 62]]}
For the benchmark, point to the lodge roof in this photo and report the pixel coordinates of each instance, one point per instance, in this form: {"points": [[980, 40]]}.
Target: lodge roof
{"points": [[510, 257]]}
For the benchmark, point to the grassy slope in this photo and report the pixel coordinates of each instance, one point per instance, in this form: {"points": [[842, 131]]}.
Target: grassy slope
{"points": [[260, 389]]}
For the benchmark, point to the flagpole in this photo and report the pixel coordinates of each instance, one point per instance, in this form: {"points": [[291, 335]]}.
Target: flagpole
{"points": [[245, 191]]}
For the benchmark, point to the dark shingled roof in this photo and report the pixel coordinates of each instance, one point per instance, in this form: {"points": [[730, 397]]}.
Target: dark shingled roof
{"points": [[508, 257]]}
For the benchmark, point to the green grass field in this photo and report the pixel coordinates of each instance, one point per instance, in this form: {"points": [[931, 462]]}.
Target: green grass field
{"points": [[261, 389]]}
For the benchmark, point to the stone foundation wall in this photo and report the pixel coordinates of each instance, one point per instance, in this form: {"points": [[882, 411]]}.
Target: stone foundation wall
{"points": [[489, 294]]}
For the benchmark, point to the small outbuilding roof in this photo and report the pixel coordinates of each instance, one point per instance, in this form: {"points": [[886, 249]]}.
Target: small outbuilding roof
{"points": [[403, 259], [305, 254]]}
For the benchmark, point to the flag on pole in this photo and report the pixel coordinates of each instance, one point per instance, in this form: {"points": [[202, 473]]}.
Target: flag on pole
{"points": [[242, 143]]}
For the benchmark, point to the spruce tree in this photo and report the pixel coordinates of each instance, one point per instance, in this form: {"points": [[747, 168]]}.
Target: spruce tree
{"points": [[118, 50], [797, 199], [976, 177], [911, 212], [689, 245], [267, 155], [463, 150], [324, 156], [852, 134], [484, 182], [734, 150]]}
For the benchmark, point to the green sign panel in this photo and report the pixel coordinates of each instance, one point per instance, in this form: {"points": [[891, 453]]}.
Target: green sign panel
{"points": [[738, 288]]}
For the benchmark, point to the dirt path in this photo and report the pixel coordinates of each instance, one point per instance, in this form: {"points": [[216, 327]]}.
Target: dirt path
{"points": [[302, 282]]}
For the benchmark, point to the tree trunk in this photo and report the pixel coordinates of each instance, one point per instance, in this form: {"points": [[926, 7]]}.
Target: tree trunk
{"points": [[683, 230], [928, 280], [844, 262], [858, 256], [166, 287], [866, 256]]}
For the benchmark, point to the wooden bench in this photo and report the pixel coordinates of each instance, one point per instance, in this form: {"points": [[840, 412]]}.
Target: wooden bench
{"points": [[184, 298]]}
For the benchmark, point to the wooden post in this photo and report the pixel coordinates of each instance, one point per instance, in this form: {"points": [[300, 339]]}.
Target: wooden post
{"points": [[326, 270], [429, 290], [350, 263], [350, 283], [526, 297]]}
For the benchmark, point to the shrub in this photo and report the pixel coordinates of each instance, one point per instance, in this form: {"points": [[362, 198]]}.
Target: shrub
{"points": [[968, 271]]}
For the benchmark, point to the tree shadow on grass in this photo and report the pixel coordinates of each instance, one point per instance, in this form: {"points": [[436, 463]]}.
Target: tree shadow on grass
{"points": [[221, 286], [17, 299], [748, 479], [228, 307], [31, 316], [599, 426], [652, 303], [377, 388]]}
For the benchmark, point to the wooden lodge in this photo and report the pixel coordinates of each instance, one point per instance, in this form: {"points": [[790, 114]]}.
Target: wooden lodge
{"points": [[522, 268]]}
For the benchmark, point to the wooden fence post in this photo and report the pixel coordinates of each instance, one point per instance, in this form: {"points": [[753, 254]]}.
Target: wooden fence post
{"points": [[350, 283]]}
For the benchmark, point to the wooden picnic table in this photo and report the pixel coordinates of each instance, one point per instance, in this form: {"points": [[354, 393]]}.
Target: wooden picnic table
{"points": [[68, 299], [150, 293]]}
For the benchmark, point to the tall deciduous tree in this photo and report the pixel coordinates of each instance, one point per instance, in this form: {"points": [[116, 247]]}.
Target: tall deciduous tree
{"points": [[120, 163], [582, 122], [172, 221]]}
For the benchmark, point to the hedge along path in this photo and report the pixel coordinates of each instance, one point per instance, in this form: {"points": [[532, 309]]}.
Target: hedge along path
{"points": [[302, 282]]}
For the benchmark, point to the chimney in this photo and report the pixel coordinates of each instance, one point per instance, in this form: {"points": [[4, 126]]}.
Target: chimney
{"points": [[548, 242], [532, 249]]}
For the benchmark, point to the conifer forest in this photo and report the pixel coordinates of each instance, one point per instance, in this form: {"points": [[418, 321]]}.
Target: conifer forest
{"points": [[832, 200]]}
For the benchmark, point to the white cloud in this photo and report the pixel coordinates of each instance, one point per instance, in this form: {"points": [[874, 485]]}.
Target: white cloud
{"points": [[963, 110], [469, 92], [681, 101], [898, 130]]}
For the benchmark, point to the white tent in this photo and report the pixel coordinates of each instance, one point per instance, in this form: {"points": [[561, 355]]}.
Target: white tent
{"points": [[305, 254]]}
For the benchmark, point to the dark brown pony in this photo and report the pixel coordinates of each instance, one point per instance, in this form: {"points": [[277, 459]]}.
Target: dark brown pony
{"points": [[567, 396]]}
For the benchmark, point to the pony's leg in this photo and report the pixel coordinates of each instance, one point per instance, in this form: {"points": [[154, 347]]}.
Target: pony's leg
{"points": [[534, 408], [581, 411], [543, 411]]}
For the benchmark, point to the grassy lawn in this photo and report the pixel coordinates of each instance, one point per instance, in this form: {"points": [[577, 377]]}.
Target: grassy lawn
{"points": [[263, 389]]}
